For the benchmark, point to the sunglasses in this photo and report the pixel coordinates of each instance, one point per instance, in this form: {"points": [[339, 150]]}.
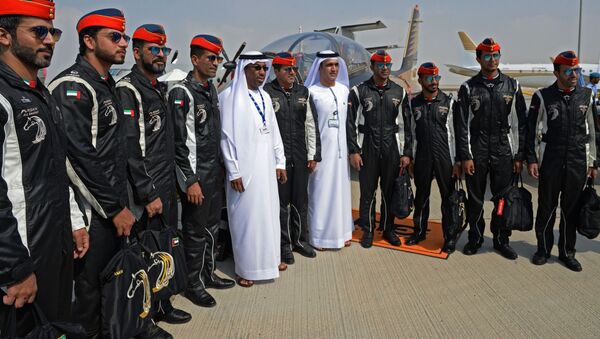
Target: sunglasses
{"points": [[568, 72], [290, 69], [213, 58], [382, 65], [259, 67], [489, 57], [117, 36], [430, 78], [41, 32], [155, 50]]}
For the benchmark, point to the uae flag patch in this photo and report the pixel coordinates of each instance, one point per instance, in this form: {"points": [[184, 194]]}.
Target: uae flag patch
{"points": [[129, 112], [179, 103], [74, 94], [175, 242]]}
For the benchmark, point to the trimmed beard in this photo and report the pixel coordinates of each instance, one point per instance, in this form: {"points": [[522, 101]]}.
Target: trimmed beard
{"points": [[107, 57], [153, 68], [29, 56]]}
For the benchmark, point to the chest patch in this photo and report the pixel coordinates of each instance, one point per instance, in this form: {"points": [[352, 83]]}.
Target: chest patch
{"points": [[417, 113], [396, 102], [302, 101], [443, 110], [276, 105], [201, 113], [583, 108], [155, 120], [34, 123], [475, 103], [368, 104], [109, 110], [507, 99], [553, 112]]}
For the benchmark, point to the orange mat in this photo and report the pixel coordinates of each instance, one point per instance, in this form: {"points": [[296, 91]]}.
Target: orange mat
{"points": [[431, 246]]}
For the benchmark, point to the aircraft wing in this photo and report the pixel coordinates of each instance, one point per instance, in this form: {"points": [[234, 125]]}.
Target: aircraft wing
{"points": [[461, 70], [386, 47]]}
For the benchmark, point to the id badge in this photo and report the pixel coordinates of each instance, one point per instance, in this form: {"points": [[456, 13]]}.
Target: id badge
{"points": [[333, 123], [264, 130]]}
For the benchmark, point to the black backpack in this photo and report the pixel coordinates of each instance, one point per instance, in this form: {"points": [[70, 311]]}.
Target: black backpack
{"points": [[403, 199], [457, 213], [44, 329], [589, 215], [513, 206], [126, 292]]}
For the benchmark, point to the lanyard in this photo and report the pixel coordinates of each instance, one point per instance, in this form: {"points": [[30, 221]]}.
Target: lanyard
{"points": [[261, 112], [336, 103]]}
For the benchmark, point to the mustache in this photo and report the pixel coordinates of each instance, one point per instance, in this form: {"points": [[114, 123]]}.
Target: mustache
{"points": [[48, 49]]}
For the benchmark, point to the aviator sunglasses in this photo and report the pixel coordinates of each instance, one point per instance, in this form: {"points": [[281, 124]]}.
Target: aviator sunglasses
{"points": [[41, 32], [259, 67], [155, 50], [568, 72], [117, 36], [489, 57], [382, 65], [430, 78], [213, 58]]}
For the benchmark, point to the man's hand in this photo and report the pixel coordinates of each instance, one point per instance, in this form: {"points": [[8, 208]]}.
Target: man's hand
{"points": [[123, 221], [194, 194], [154, 207], [456, 171], [592, 172], [81, 240], [237, 185], [311, 166], [22, 292], [281, 176], [356, 161], [533, 170], [468, 167], [517, 166], [404, 164]]}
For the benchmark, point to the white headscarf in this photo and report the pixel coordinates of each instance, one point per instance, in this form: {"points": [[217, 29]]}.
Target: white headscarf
{"points": [[315, 78], [237, 118]]}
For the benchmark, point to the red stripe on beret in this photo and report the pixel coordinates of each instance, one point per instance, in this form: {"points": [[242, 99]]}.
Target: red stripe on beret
{"points": [[155, 38], [381, 58], [114, 22], [284, 61], [203, 43], [35, 8]]}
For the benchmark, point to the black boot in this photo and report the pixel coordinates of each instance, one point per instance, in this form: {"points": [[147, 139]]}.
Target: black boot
{"points": [[506, 251], [571, 263], [392, 238], [154, 332], [218, 283], [471, 247], [200, 297], [305, 250], [287, 257], [175, 316], [449, 246], [415, 238], [367, 239], [539, 258]]}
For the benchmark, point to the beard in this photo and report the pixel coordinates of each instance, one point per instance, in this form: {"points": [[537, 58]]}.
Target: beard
{"points": [[29, 55], [153, 68], [109, 58]]}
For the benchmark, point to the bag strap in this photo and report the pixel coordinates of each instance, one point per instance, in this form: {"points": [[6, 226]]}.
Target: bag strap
{"points": [[589, 182], [38, 315], [458, 184]]}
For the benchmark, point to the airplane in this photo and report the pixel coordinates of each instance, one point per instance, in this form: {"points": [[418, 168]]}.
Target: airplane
{"points": [[305, 46], [529, 75]]}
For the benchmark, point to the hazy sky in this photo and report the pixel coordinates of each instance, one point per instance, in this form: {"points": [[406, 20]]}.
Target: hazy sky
{"points": [[529, 31]]}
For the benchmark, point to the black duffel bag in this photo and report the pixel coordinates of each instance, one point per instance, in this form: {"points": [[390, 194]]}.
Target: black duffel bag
{"points": [[166, 263], [589, 215], [513, 206], [126, 292], [403, 199], [43, 329], [457, 212]]}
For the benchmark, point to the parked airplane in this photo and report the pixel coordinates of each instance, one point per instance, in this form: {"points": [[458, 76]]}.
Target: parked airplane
{"points": [[529, 75]]}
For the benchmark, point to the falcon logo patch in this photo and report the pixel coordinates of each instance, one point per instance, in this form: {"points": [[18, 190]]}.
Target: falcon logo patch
{"points": [[583, 108], [201, 113], [417, 113], [475, 103], [368, 104], [507, 99], [396, 102], [276, 105], [553, 112]]}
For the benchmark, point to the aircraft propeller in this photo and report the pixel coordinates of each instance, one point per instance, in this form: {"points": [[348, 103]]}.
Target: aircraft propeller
{"points": [[230, 65]]}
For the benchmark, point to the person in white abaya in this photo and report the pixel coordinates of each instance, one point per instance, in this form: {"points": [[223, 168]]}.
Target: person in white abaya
{"points": [[254, 158], [329, 193]]}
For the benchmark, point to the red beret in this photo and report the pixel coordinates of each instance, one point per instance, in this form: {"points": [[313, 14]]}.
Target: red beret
{"points": [[284, 59], [208, 42], [35, 8], [107, 18], [488, 45], [567, 58], [151, 33], [428, 68], [381, 56]]}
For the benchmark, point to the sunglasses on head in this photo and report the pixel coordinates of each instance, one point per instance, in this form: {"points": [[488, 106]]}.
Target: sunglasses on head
{"points": [[382, 65], [117, 36], [489, 57], [155, 50], [41, 32], [259, 67], [213, 58], [430, 78], [568, 72]]}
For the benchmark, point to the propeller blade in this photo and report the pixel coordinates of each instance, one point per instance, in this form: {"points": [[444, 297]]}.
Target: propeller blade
{"points": [[225, 54], [224, 78], [239, 51]]}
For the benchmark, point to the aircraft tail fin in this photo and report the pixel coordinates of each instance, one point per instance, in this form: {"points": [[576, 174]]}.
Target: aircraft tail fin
{"points": [[467, 42], [409, 61]]}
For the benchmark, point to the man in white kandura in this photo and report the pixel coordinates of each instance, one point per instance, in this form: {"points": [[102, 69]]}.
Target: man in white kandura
{"points": [[329, 194], [254, 157]]}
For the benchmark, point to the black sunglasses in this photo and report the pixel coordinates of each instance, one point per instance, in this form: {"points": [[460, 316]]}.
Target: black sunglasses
{"points": [[259, 67], [212, 58], [41, 32], [117, 36], [155, 50]]}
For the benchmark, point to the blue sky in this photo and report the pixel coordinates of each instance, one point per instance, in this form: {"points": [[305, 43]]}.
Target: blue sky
{"points": [[530, 31]]}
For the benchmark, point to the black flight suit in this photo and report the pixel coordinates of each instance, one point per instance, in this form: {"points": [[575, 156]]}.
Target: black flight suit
{"points": [[490, 130], [301, 142], [150, 141], [35, 234], [198, 160], [429, 140], [561, 138], [97, 167], [374, 115]]}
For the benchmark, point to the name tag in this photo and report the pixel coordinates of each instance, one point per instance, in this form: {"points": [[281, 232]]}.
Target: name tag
{"points": [[264, 130], [333, 123]]}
